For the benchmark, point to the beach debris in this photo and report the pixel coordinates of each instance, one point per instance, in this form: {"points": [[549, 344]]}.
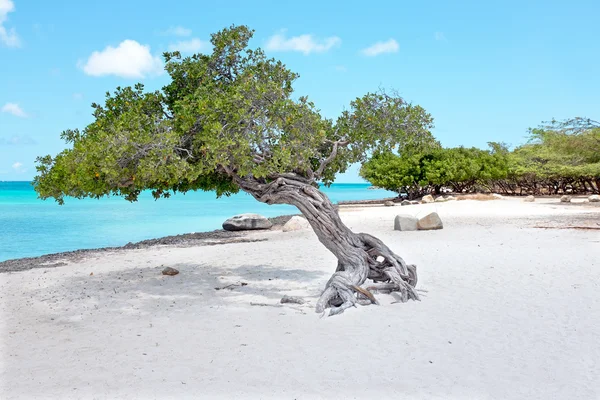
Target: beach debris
{"points": [[594, 198], [244, 222], [497, 196], [405, 222], [232, 286], [566, 199], [296, 223], [429, 222], [440, 199], [529, 199], [450, 198], [170, 271], [292, 299], [389, 203], [405, 203], [427, 199], [265, 304]]}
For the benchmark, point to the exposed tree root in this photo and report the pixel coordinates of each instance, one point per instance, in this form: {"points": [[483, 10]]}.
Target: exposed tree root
{"points": [[379, 264], [360, 255]]}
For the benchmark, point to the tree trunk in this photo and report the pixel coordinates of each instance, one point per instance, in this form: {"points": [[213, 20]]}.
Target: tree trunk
{"points": [[360, 255]]}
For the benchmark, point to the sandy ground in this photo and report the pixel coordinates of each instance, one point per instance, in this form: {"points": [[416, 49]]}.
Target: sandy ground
{"points": [[510, 310]]}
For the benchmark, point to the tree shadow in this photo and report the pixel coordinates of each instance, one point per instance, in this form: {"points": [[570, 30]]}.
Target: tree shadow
{"points": [[144, 290]]}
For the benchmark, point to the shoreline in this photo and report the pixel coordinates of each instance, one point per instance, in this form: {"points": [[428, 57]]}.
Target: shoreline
{"points": [[208, 238]]}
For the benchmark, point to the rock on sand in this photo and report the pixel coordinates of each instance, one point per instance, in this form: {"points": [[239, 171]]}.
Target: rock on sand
{"points": [[296, 223], [429, 222], [245, 222], [405, 223], [427, 199]]}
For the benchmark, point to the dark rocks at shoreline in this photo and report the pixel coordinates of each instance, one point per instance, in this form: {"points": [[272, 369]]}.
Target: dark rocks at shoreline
{"points": [[210, 238]]}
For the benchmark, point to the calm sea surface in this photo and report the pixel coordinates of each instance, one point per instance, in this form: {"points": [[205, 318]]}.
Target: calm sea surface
{"points": [[32, 227]]}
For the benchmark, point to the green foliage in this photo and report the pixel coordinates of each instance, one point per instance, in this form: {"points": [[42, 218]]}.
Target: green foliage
{"points": [[559, 156], [225, 115], [417, 173]]}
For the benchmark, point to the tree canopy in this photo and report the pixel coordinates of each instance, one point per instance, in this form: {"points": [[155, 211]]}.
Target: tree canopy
{"points": [[224, 116]]}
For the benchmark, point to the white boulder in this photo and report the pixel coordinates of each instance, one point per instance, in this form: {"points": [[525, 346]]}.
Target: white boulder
{"points": [[296, 223]]}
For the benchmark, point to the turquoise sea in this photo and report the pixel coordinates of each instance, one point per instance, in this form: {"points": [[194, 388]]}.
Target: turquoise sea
{"points": [[31, 227]]}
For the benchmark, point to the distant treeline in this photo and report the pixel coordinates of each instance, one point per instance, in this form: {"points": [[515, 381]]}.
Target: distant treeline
{"points": [[560, 157]]}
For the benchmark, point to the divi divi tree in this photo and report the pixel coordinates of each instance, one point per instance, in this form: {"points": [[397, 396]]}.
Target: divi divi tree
{"points": [[229, 121]]}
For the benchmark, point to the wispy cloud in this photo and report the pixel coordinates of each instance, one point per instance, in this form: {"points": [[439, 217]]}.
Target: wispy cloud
{"points": [[340, 68], [18, 167], [193, 45], [78, 96], [305, 44], [8, 36], [389, 46], [439, 36], [14, 109], [177, 31], [128, 60], [17, 140]]}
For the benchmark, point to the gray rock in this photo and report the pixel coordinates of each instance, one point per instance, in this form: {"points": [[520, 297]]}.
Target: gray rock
{"points": [[429, 222], [565, 199], [594, 198], [427, 199], [414, 202], [405, 223], [440, 199], [529, 199], [296, 223], [405, 203], [244, 222], [389, 203], [497, 196]]}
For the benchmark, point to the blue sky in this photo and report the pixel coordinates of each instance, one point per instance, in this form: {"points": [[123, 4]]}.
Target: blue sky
{"points": [[485, 70]]}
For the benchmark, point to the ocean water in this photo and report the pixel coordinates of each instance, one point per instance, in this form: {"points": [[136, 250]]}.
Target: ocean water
{"points": [[31, 227]]}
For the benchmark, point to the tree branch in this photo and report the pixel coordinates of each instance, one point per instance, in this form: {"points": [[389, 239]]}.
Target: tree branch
{"points": [[331, 157]]}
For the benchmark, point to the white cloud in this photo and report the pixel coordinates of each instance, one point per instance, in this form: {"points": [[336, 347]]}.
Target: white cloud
{"points": [[193, 45], [128, 60], [7, 36], [305, 44], [17, 140], [439, 36], [14, 109], [18, 167], [177, 31], [390, 46]]}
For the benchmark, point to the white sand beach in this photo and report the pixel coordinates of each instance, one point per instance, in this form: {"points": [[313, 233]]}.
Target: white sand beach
{"points": [[510, 310]]}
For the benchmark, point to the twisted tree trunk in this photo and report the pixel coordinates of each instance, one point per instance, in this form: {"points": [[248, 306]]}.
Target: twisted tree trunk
{"points": [[360, 255]]}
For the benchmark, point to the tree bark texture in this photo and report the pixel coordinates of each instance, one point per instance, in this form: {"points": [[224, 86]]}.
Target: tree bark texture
{"points": [[360, 256]]}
